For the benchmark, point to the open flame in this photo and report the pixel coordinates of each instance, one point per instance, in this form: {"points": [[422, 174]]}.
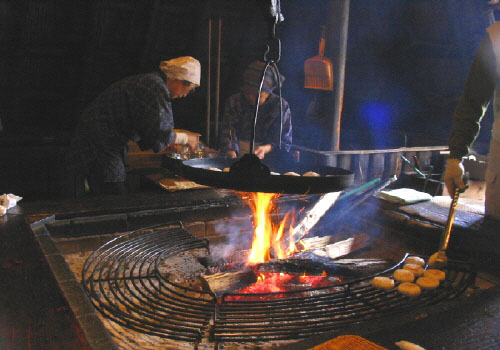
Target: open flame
{"points": [[269, 237], [270, 241]]}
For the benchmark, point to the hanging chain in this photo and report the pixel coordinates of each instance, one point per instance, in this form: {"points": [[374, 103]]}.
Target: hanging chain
{"points": [[271, 57], [273, 44]]}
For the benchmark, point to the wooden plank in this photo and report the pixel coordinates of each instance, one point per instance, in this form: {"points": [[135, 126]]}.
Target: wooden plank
{"points": [[377, 165], [442, 149], [345, 161], [382, 162], [392, 164], [361, 166], [424, 160], [409, 155], [331, 161], [438, 160]]}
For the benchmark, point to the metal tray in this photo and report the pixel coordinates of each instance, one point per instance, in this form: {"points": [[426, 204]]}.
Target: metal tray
{"points": [[331, 179]]}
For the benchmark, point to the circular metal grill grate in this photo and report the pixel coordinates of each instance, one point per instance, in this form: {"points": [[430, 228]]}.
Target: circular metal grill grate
{"points": [[124, 282]]}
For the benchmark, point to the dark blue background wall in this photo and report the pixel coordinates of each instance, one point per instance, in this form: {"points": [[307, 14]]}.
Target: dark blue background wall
{"points": [[406, 61]]}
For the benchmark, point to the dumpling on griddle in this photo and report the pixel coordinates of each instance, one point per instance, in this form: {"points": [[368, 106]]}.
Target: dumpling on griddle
{"points": [[291, 173], [409, 289], [415, 260], [403, 275], [311, 173], [381, 282], [416, 269], [428, 282], [434, 273]]}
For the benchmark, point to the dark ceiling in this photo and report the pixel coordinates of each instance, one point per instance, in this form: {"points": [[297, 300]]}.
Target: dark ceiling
{"points": [[406, 60]]}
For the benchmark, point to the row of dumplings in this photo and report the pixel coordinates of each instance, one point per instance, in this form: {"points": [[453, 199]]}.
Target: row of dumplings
{"points": [[412, 277], [290, 173]]}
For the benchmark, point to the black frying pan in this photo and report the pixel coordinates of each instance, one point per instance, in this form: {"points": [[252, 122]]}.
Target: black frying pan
{"points": [[331, 179]]}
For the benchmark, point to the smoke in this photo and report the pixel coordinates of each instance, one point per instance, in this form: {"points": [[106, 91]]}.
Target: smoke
{"points": [[237, 233], [343, 221]]}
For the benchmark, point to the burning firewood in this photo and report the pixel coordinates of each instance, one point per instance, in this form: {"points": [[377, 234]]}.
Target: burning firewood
{"points": [[347, 246], [313, 215], [316, 242], [227, 282], [365, 266], [344, 268], [337, 249]]}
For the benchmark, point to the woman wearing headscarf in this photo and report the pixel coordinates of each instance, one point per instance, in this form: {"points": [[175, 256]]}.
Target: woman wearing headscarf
{"points": [[136, 108], [239, 112]]}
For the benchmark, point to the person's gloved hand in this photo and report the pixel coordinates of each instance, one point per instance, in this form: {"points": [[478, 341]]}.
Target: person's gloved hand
{"points": [[192, 141], [261, 151], [453, 176], [188, 138]]}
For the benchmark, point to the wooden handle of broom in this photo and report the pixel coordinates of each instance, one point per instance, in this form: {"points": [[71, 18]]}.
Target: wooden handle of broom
{"points": [[322, 41]]}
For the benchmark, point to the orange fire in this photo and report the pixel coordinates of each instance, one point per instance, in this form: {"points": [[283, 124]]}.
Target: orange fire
{"points": [[268, 236], [272, 285]]}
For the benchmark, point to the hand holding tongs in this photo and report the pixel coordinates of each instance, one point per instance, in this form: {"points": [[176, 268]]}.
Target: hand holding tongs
{"points": [[439, 258]]}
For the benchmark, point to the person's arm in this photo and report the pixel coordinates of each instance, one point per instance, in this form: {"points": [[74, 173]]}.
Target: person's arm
{"points": [[286, 136], [274, 130], [473, 103], [229, 143], [272, 140], [478, 92], [153, 117]]}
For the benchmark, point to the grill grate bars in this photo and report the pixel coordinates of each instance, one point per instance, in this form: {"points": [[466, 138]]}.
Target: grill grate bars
{"points": [[355, 302], [124, 283]]}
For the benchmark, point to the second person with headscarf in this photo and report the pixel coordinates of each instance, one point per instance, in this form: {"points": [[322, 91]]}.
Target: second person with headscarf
{"points": [[239, 112]]}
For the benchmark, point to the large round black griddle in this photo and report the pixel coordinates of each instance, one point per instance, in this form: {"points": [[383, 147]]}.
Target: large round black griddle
{"points": [[252, 179]]}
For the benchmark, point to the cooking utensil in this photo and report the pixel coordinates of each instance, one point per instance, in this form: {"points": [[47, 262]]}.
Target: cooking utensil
{"points": [[439, 258], [318, 70], [331, 179]]}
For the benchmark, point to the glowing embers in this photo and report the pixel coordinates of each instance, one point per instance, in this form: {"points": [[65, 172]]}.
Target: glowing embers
{"points": [[270, 238], [274, 278], [275, 285]]}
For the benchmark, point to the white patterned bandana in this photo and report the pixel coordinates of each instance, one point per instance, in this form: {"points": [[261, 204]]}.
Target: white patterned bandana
{"points": [[182, 68]]}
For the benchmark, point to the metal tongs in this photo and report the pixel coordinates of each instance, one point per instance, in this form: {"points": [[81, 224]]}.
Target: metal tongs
{"points": [[439, 258]]}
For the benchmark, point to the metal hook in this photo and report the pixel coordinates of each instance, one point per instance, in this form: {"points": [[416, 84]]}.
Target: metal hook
{"points": [[277, 50]]}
